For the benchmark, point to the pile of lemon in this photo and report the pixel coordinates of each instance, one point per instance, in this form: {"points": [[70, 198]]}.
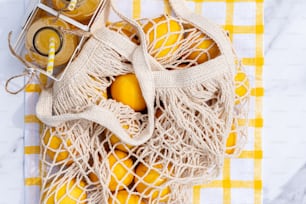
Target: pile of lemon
{"points": [[147, 182], [124, 89], [163, 35]]}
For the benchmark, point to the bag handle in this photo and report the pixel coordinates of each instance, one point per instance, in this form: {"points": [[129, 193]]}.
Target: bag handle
{"points": [[92, 113], [101, 17], [101, 115]]}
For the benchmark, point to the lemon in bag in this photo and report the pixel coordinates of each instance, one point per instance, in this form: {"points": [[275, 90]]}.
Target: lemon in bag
{"points": [[123, 197], [126, 89], [242, 86], [148, 182], [231, 140], [121, 170], [56, 149], [163, 35], [70, 192], [203, 48]]}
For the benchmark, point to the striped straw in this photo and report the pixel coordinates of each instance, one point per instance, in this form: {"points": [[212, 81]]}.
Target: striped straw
{"points": [[72, 5], [51, 56]]}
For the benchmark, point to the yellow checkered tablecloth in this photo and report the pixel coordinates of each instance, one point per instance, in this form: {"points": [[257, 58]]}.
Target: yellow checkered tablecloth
{"points": [[241, 179]]}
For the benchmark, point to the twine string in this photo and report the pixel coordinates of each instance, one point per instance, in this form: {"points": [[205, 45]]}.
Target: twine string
{"points": [[23, 61], [30, 71]]}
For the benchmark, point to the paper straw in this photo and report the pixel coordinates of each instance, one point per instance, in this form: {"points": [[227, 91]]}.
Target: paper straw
{"points": [[72, 5], [51, 56]]}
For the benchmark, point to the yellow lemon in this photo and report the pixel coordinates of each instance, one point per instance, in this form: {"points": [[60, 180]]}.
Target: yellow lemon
{"points": [[120, 163], [150, 182], [123, 147], [231, 140], [69, 193], [204, 48], [125, 29], [126, 89], [163, 35], [55, 147], [242, 86], [123, 197]]}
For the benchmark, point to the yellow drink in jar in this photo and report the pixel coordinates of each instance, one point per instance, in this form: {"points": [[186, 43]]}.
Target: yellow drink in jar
{"points": [[38, 39], [83, 10]]}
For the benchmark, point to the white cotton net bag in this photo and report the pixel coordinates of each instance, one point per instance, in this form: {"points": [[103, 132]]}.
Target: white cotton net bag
{"points": [[96, 149]]}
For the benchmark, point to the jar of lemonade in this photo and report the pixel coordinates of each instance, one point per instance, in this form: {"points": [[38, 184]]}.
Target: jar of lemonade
{"points": [[38, 38], [82, 10]]}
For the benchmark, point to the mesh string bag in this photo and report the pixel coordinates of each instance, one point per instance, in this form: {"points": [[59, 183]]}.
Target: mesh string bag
{"points": [[98, 150]]}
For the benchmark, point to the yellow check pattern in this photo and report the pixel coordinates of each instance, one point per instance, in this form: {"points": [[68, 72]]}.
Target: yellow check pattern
{"points": [[241, 179]]}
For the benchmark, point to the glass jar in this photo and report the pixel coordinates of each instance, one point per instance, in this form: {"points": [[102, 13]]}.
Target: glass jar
{"points": [[38, 38]]}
